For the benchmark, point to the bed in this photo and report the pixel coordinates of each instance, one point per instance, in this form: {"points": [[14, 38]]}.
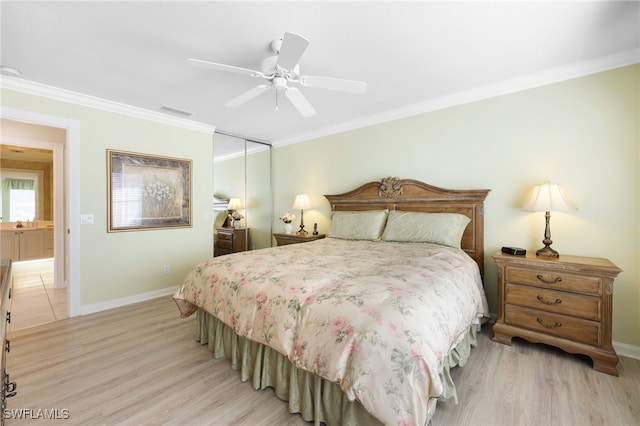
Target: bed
{"points": [[361, 327]]}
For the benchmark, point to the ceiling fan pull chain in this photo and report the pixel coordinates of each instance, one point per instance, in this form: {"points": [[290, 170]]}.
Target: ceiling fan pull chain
{"points": [[276, 100]]}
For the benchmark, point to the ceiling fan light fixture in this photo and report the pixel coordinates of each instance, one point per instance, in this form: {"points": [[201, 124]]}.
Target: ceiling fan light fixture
{"points": [[280, 83]]}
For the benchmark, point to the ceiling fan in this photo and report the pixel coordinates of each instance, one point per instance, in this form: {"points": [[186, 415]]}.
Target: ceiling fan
{"points": [[280, 70]]}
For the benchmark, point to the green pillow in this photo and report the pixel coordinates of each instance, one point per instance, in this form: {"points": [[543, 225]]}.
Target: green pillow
{"points": [[417, 227], [358, 225]]}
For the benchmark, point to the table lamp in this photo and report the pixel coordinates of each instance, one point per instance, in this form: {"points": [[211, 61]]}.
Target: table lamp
{"points": [[546, 198], [302, 202], [233, 205]]}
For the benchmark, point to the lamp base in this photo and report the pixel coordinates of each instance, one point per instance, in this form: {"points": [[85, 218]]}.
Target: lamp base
{"points": [[301, 231], [547, 251]]}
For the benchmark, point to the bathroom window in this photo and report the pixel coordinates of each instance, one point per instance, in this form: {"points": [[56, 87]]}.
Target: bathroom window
{"points": [[19, 197]]}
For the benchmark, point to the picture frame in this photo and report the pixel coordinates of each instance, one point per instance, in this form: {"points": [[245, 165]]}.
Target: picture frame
{"points": [[147, 192]]}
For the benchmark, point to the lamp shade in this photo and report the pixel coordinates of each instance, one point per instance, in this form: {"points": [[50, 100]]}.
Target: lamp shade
{"points": [[548, 197], [302, 202], [234, 204]]}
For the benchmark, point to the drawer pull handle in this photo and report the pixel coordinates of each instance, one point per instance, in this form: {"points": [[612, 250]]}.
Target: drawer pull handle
{"points": [[555, 302], [541, 278], [8, 388], [556, 325]]}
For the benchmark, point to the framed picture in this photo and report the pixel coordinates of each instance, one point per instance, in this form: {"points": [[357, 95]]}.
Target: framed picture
{"points": [[147, 192]]}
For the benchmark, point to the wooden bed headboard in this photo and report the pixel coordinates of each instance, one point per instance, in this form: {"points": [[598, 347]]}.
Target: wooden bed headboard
{"points": [[412, 195]]}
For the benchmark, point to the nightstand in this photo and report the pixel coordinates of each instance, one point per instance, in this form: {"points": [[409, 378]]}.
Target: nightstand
{"points": [[564, 302], [284, 239], [231, 240]]}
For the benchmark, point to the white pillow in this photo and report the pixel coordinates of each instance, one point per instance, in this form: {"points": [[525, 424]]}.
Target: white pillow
{"points": [[358, 225], [417, 227]]}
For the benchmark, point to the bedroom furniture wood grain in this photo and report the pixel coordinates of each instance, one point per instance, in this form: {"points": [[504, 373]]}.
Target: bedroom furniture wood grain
{"points": [[285, 239], [412, 195], [231, 240], [8, 387], [144, 355], [564, 302]]}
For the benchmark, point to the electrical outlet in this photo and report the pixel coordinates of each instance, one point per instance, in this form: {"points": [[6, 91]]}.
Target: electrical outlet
{"points": [[166, 269]]}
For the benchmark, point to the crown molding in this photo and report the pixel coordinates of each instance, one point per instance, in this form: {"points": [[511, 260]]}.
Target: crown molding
{"points": [[51, 92], [240, 153], [530, 81], [518, 84]]}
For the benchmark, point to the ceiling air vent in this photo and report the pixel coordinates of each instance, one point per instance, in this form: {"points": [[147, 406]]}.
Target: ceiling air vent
{"points": [[174, 110], [9, 71]]}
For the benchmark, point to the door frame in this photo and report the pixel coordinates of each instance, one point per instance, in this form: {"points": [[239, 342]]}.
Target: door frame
{"points": [[66, 162]]}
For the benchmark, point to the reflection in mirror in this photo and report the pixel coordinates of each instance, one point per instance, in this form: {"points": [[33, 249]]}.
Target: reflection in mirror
{"points": [[242, 170]]}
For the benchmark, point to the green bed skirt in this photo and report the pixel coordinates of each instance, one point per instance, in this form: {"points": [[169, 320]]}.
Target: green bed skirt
{"points": [[314, 398]]}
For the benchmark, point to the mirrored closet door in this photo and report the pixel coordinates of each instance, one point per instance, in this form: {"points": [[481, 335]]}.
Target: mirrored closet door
{"points": [[242, 179]]}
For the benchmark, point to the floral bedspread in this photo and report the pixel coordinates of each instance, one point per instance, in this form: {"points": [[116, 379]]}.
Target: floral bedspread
{"points": [[379, 318]]}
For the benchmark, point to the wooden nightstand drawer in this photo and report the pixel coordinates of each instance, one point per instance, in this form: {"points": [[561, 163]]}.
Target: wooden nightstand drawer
{"points": [[225, 244], [225, 236], [564, 302], [231, 240], [555, 279], [564, 326], [554, 301]]}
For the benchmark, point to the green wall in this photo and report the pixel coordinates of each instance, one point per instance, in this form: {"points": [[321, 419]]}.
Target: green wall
{"points": [[582, 133], [127, 264]]}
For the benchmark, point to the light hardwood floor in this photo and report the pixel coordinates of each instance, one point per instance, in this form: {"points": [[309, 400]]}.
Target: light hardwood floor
{"points": [[140, 365]]}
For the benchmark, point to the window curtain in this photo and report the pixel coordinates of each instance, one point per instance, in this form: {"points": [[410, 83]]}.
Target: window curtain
{"points": [[25, 184]]}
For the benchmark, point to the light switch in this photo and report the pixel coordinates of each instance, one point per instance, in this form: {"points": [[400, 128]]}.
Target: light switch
{"points": [[86, 219]]}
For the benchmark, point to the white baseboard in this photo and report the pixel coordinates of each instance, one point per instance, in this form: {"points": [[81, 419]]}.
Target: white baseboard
{"points": [[116, 303], [630, 351]]}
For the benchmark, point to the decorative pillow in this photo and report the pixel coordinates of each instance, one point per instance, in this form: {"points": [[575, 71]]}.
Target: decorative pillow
{"points": [[416, 227], [358, 225]]}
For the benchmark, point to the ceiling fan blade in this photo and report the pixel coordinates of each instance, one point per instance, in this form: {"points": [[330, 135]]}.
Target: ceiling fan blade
{"points": [[293, 47], [351, 86], [300, 102], [229, 68], [248, 95]]}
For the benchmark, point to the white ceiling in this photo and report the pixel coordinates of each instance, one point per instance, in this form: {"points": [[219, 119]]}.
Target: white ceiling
{"points": [[414, 56]]}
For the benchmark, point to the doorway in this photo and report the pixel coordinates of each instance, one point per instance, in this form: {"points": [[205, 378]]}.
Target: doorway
{"points": [[65, 193], [28, 170], [67, 177]]}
